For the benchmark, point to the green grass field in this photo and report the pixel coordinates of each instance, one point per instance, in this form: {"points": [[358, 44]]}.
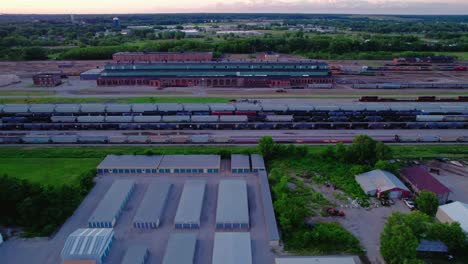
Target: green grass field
{"points": [[63, 165]]}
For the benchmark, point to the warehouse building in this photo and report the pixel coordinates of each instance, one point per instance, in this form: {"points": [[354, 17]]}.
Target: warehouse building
{"points": [[152, 207], [121, 57], [269, 212], [190, 205], [258, 164], [136, 254], [454, 212], [110, 207], [181, 249], [47, 79], [87, 245], [380, 182], [419, 179], [318, 260], [240, 163], [217, 74], [118, 164], [232, 248], [190, 164], [232, 211]]}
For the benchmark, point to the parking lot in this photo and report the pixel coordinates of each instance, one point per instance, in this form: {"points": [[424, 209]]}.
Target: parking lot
{"points": [[48, 250]]}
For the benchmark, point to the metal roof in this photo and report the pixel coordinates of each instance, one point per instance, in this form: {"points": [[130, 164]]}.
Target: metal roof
{"points": [[108, 208], [144, 107], [431, 246], [457, 212], [275, 107], [270, 218], [130, 161], [240, 161], [119, 108], [42, 108], [190, 161], [317, 260], [248, 107], [180, 248], [191, 202], [420, 178], [170, 107], [196, 107], [233, 206], [135, 254], [232, 248], [222, 107], [67, 108], [379, 180], [87, 243], [15, 108], [257, 161], [149, 119], [153, 204], [93, 108]]}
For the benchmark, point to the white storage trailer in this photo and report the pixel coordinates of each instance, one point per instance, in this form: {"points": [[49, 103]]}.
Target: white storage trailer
{"points": [[232, 211], [110, 207], [151, 209], [190, 205]]}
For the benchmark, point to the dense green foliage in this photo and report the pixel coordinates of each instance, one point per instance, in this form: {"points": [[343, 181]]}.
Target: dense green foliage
{"points": [[402, 233], [37, 208], [427, 202]]}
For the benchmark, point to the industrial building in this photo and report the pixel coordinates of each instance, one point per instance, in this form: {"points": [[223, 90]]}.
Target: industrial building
{"points": [[152, 207], [419, 179], [269, 212], [190, 205], [190, 164], [454, 212], [110, 207], [181, 249], [258, 164], [240, 163], [232, 248], [87, 245], [91, 75], [131, 57], [318, 260], [136, 254], [380, 182], [217, 74], [232, 211], [118, 164], [47, 79]]}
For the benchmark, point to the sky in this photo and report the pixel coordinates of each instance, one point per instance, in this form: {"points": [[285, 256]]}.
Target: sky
{"points": [[442, 7]]}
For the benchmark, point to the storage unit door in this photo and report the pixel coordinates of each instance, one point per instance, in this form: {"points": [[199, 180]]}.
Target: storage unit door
{"points": [[394, 194]]}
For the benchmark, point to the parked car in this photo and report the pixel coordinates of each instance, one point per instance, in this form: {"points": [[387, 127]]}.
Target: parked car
{"points": [[409, 203]]}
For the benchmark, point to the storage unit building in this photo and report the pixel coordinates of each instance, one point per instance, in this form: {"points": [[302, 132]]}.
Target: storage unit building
{"points": [[152, 206], [454, 212], [190, 164], [419, 179], [125, 164], [240, 163], [318, 260], [269, 212], [136, 254], [88, 245], [91, 75], [232, 248], [258, 164], [190, 205], [181, 249], [110, 207], [379, 182], [232, 211]]}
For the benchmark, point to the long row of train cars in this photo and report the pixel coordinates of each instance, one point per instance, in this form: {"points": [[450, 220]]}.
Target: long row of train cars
{"points": [[208, 139], [428, 85]]}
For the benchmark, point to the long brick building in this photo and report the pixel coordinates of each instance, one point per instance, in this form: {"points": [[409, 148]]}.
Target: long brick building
{"points": [[161, 56], [217, 74]]}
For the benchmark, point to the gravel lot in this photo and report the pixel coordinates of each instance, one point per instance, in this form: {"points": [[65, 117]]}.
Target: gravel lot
{"points": [[48, 250], [456, 183]]}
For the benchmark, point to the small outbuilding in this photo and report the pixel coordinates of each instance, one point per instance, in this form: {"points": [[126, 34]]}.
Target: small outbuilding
{"points": [[151, 209], [454, 212], [419, 179], [258, 164], [381, 182], [232, 211], [240, 163], [190, 205], [88, 245]]}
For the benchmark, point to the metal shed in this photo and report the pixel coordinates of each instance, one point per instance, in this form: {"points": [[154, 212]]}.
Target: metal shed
{"points": [[190, 164], [136, 254], [152, 207], [258, 164], [269, 212], [181, 249], [232, 211], [109, 208], [240, 163], [232, 248], [190, 205], [91, 244], [129, 164]]}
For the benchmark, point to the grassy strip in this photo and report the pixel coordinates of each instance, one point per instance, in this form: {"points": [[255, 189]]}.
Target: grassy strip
{"points": [[148, 99]]}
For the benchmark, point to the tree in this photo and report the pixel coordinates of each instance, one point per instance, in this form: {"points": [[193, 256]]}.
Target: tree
{"points": [[386, 165], [427, 202], [362, 150], [451, 234], [382, 151], [398, 243], [267, 147], [340, 152]]}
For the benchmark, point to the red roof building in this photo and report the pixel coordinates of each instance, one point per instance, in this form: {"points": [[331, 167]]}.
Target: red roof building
{"points": [[419, 179]]}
